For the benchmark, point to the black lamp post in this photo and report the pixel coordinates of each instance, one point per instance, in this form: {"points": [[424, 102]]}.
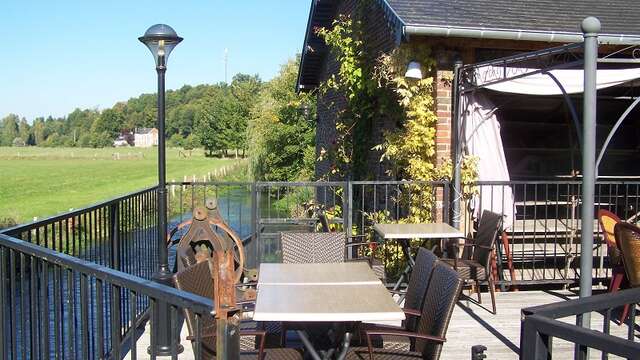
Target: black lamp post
{"points": [[161, 39]]}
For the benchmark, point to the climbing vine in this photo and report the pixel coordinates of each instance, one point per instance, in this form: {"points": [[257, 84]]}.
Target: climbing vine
{"points": [[379, 90]]}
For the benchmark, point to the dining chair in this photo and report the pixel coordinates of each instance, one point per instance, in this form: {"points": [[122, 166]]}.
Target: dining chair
{"points": [[300, 248], [413, 302], [628, 242], [197, 279], [477, 267], [439, 302], [607, 221]]}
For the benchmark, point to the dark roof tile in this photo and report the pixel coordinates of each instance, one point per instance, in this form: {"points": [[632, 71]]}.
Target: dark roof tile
{"points": [[617, 17]]}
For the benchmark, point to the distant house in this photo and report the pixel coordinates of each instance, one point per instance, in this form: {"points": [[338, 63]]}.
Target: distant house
{"points": [[146, 137]]}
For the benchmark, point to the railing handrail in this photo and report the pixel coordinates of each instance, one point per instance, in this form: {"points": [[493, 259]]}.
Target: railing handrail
{"points": [[578, 335], [142, 286], [69, 214], [584, 305], [543, 321]]}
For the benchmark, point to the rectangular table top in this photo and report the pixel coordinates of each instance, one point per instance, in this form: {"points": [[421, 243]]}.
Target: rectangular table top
{"points": [[326, 303], [350, 273], [418, 231]]}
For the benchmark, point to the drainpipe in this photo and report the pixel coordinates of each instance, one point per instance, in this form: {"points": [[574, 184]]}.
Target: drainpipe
{"points": [[590, 28], [457, 146]]}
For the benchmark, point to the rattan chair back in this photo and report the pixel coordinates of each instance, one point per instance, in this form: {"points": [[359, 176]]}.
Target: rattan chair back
{"points": [[418, 283], [628, 241], [313, 247], [607, 221], [490, 224], [196, 279], [442, 294]]}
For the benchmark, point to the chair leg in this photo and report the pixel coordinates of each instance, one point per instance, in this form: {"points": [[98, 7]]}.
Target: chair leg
{"points": [[624, 314], [493, 294], [616, 281], [478, 291]]}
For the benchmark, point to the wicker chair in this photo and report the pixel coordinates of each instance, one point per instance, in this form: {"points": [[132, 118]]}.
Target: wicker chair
{"points": [[439, 302], [607, 221], [478, 267], [197, 280], [414, 299], [307, 248], [628, 241]]}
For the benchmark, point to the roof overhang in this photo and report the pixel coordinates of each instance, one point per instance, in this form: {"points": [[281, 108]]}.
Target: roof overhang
{"points": [[511, 34]]}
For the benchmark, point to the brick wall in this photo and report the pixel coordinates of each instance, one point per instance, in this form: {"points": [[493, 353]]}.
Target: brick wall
{"points": [[443, 108], [379, 38]]}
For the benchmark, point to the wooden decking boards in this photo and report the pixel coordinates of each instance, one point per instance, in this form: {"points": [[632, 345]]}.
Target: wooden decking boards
{"points": [[473, 325]]}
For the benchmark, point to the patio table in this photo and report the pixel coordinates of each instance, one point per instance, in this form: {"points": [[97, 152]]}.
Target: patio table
{"points": [[404, 232], [354, 273], [341, 301]]}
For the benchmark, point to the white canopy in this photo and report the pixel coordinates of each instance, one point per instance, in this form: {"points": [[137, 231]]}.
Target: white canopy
{"points": [[482, 136], [543, 84]]}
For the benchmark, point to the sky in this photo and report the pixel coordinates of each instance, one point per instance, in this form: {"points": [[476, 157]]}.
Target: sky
{"points": [[60, 55]]}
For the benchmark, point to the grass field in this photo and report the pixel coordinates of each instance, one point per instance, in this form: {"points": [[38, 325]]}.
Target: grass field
{"points": [[45, 181]]}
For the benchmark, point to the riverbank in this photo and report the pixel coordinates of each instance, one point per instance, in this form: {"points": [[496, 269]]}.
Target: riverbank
{"points": [[41, 182]]}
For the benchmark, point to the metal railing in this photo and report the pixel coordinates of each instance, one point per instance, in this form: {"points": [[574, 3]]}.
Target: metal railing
{"points": [[111, 233], [55, 305], [542, 239], [544, 233], [543, 323]]}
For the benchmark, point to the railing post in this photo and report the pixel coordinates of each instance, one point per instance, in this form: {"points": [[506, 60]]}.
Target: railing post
{"points": [[533, 344], [252, 249], [347, 202], [114, 235], [457, 146], [446, 186]]}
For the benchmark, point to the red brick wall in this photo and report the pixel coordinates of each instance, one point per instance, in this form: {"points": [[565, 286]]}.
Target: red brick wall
{"points": [[443, 108]]}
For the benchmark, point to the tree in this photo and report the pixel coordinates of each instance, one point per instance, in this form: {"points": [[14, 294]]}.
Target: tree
{"points": [[38, 131], [281, 137], [9, 129], [216, 122], [24, 131]]}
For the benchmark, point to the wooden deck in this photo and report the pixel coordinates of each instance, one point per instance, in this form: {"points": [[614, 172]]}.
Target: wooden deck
{"points": [[473, 325]]}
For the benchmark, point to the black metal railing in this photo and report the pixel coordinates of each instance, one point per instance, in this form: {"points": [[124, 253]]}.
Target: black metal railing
{"points": [[541, 324], [112, 233], [55, 305], [544, 229]]}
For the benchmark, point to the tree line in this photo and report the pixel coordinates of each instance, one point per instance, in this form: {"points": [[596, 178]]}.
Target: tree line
{"points": [[265, 118]]}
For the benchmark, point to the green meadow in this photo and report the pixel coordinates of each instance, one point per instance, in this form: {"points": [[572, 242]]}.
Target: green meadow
{"points": [[40, 182]]}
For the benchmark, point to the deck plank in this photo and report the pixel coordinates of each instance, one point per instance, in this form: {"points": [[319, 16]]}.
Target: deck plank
{"points": [[472, 325]]}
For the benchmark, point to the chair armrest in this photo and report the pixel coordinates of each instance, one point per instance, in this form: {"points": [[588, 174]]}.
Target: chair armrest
{"points": [[413, 312], [478, 245], [408, 334]]}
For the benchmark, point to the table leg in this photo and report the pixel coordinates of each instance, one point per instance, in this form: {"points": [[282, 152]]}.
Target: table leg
{"points": [[325, 355]]}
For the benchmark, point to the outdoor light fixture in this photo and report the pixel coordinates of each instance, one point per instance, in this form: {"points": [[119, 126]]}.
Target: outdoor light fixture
{"points": [[414, 70], [161, 39]]}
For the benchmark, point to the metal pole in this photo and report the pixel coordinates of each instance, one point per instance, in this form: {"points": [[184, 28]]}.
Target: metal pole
{"points": [[163, 276], [457, 146], [590, 28]]}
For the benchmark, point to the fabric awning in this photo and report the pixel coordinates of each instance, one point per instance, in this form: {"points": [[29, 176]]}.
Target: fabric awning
{"points": [[483, 140], [543, 84]]}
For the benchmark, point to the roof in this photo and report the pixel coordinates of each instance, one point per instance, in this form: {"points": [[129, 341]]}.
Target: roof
{"points": [[142, 131], [619, 18], [530, 20]]}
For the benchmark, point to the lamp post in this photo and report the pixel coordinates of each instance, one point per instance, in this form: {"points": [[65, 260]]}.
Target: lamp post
{"points": [[161, 39]]}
